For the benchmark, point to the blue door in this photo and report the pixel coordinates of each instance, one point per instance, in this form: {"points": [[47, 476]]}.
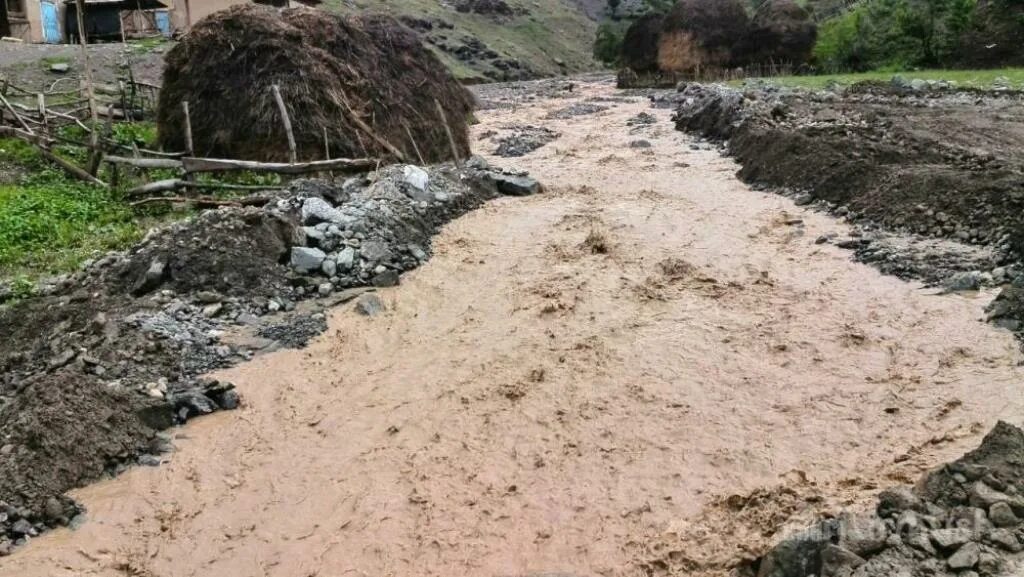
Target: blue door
{"points": [[163, 22], [51, 23]]}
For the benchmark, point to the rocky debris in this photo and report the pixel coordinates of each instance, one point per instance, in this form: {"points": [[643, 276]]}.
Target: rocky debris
{"points": [[875, 154], [943, 527], [498, 9], [523, 140], [507, 96], [576, 109], [103, 359], [297, 331], [642, 119]]}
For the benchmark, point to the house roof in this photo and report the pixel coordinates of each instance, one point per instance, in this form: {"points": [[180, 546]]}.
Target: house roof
{"points": [[128, 4]]}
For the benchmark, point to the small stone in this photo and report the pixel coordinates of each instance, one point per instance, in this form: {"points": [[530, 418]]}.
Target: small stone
{"points": [[375, 251], [803, 199], [60, 67], [640, 144], [53, 510], [7, 449], [835, 559], [965, 557], [416, 177], [1005, 539], [346, 258], [208, 297], [951, 538], [1001, 515], [386, 279], [304, 259], [316, 210], [324, 289], [369, 304], [896, 500], [149, 461], [963, 281], [989, 563], [210, 311], [152, 279], [516, 185], [229, 400], [329, 268], [22, 528]]}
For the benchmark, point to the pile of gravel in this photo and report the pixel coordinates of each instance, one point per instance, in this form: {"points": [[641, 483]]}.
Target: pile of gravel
{"points": [[524, 139], [964, 519]]}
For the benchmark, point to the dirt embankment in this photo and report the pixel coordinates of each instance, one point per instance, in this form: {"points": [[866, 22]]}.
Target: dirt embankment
{"points": [[933, 176], [105, 358]]}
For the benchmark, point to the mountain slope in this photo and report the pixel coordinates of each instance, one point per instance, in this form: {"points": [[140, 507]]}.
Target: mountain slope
{"points": [[509, 40]]}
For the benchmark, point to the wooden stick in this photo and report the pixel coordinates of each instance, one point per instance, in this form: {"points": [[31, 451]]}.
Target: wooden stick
{"points": [[204, 202], [71, 168], [147, 163], [41, 103], [448, 131], [226, 165], [94, 137], [174, 184], [370, 132], [17, 116], [414, 145], [190, 149], [293, 156], [327, 146]]}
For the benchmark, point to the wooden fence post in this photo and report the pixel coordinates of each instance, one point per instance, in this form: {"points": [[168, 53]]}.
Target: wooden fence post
{"points": [[293, 156], [189, 146]]}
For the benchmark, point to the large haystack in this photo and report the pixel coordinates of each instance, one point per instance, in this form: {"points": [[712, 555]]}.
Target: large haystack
{"points": [[781, 33], [700, 35], [333, 71], [640, 44]]}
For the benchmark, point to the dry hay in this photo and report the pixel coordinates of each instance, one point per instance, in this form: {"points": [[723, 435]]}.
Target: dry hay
{"points": [[640, 44], [782, 32], [330, 69], [701, 35]]}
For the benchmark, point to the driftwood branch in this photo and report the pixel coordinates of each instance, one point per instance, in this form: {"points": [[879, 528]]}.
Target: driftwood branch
{"points": [[175, 184], [293, 155], [205, 201], [448, 131], [226, 165], [147, 163]]}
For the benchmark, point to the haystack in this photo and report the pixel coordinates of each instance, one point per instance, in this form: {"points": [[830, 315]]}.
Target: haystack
{"points": [[357, 82], [781, 33], [701, 35], [640, 44]]}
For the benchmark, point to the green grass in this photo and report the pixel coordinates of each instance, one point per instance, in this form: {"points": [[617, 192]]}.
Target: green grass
{"points": [[975, 78]]}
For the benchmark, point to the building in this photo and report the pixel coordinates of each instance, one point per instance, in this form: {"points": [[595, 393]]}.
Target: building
{"points": [[55, 21]]}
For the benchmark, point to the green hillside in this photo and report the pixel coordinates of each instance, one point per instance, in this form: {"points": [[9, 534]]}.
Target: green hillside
{"points": [[533, 38]]}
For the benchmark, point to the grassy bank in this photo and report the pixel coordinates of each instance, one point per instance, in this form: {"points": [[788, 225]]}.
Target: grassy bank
{"points": [[975, 78]]}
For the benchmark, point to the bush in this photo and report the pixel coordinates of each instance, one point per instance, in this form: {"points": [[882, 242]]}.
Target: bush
{"points": [[782, 32], [608, 44]]}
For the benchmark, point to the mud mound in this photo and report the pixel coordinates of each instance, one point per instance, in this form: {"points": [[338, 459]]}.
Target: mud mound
{"points": [[336, 73], [237, 254], [105, 358], [940, 164], [965, 518]]}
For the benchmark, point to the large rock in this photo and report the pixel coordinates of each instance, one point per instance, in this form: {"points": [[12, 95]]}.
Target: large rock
{"points": [[305, 259], [316, 210], [516, 185]]}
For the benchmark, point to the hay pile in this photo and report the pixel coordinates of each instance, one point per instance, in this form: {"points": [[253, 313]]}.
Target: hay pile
{"points": [[332, 70], [782, 32], [701, 35], [640, 44]]}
